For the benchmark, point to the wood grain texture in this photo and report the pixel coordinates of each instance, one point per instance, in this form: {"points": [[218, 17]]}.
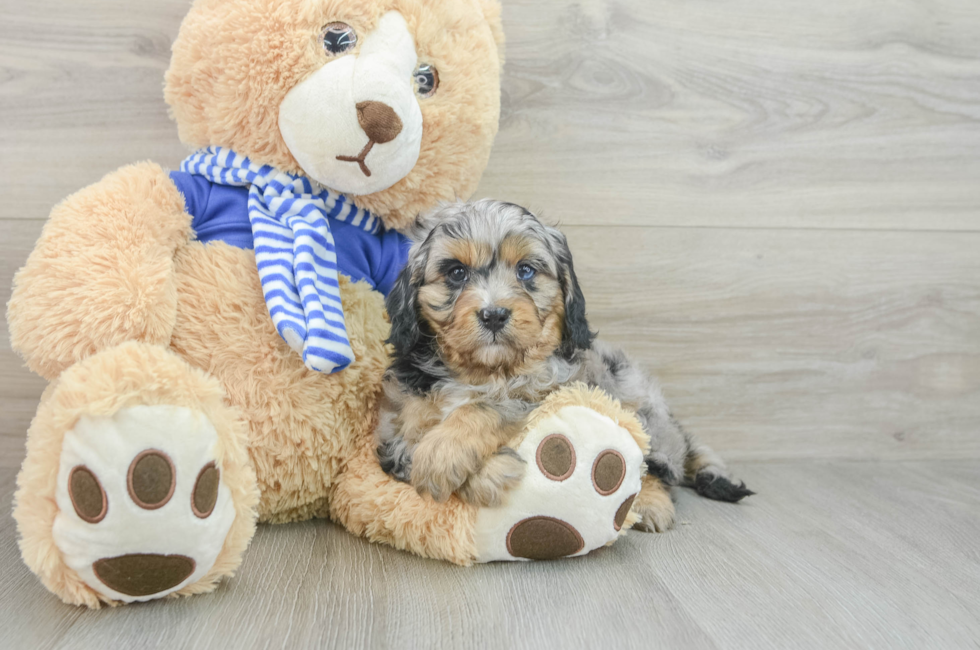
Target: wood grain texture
{"points": [[775, 113], [770, 343], [773, 204], [794, 343], [779, 113], [842, 554]]}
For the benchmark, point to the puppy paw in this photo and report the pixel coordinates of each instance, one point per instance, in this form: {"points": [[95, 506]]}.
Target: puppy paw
{"points": [[719, 487], [440, 467], [395, 457], [654, 507], [500, 474]]}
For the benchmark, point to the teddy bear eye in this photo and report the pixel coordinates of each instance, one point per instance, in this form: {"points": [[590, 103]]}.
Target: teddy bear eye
{"points": [[427, 79], [339, 38]]}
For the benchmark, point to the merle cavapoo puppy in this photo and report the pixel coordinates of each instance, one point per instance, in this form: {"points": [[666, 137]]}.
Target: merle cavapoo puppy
{"points": [[487, 319]]}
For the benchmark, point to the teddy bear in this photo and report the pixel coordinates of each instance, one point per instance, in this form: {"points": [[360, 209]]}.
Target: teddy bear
{"points": [[214, 337]]}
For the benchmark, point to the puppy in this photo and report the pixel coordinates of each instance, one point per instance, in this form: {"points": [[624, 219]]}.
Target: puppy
{"points": [[487, 319]]}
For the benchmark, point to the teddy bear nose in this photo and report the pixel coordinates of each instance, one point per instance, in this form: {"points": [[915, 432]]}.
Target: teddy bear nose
{"points": [[379, 121]]}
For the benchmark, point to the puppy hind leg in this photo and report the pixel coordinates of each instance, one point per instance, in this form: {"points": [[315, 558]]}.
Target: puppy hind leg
{"points": [[654, 506], [706, 473]]}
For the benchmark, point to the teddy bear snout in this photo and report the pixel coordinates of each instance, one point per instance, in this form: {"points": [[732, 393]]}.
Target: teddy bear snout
{"points": [[379, 121]]}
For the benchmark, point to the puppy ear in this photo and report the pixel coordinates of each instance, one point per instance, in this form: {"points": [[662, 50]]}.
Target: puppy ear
{"points": [[402, 302], [575, 334], [402, 306]]}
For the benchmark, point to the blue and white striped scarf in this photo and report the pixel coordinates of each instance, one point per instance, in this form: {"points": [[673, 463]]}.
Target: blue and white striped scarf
{"points": [[294, 251]]}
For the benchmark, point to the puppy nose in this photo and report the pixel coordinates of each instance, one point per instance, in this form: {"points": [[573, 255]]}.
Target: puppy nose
{"points": [[494, 318], [379, 121]]}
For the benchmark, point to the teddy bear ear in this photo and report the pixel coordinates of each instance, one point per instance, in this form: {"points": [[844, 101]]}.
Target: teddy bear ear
{"points": [[491, 11]]}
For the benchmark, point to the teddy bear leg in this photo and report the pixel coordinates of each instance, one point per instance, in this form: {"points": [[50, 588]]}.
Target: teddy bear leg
{"points": [[585, 468], [374, 505], [137, 482]]}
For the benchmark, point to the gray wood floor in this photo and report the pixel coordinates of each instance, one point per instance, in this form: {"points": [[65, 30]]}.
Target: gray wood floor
{"points": [[774, 204], [829, 555]]}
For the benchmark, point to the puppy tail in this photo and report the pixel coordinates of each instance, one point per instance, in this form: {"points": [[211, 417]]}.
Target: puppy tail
{"points": [[707, 474]]}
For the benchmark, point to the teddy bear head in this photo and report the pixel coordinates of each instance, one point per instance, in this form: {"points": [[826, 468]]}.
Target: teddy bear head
{"points": [[392, 102]]}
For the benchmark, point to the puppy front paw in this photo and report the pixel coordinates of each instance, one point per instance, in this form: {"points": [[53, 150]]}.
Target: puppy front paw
{"points": [[440, 467], [395, 457], [500, 474]]}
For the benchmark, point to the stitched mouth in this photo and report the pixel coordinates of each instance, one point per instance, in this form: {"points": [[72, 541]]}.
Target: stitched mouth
{"points": [[359, 158]]}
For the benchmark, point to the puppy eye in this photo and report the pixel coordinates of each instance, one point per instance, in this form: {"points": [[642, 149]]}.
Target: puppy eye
{"points": [[457, 274], [339, 38], [525, 272], [427, 80]]}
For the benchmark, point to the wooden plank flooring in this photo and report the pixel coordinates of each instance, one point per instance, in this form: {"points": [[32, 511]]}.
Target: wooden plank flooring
{"points": [[829, 554], [774, 204]]}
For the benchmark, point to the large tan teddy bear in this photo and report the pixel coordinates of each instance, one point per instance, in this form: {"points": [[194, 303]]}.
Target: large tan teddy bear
{"points": [[214, 337]]}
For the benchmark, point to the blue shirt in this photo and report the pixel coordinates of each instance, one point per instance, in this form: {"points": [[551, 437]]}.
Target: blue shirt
{"points": [[220, 213]]}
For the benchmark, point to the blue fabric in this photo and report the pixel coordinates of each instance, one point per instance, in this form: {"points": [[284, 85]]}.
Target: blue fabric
{"points": [[295, 252], [220, 213]]}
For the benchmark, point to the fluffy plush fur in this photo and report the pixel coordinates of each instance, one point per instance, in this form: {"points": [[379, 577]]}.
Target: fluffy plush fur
{"points": [[119, 306], [235, 60], [118, 286], [127, 375], [487, 320], [102, 272]]}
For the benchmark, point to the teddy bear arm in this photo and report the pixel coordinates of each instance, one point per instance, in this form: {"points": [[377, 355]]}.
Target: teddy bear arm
{"points": [[102, 271]]}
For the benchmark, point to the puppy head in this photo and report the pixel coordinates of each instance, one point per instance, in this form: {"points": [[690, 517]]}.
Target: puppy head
{"points": [[491, 288]]}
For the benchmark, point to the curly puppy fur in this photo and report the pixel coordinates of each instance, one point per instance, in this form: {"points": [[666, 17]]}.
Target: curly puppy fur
{"points": [[487, 320]]}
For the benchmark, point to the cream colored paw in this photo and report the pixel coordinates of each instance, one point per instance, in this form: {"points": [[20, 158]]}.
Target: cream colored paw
{"points": [[143, 509], [583, 474]]}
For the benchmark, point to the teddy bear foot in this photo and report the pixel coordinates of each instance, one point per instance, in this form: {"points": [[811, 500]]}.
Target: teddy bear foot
{"points": [[148, 498], [142, 507], [584, 458]]}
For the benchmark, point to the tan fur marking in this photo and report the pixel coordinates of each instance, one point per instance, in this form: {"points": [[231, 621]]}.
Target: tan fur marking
{"points": [[654, 506], [417, 416], [456, 449], [489, 486], [473, 254], [514, 249]]}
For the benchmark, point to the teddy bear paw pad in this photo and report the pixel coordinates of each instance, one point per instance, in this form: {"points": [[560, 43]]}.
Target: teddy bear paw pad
{"points": [[584, 470], [143, 510]]}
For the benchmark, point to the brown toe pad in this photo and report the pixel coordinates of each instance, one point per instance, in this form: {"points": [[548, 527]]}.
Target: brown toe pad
{"points": [[143, 574], [543, 538], [608, 472]]}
